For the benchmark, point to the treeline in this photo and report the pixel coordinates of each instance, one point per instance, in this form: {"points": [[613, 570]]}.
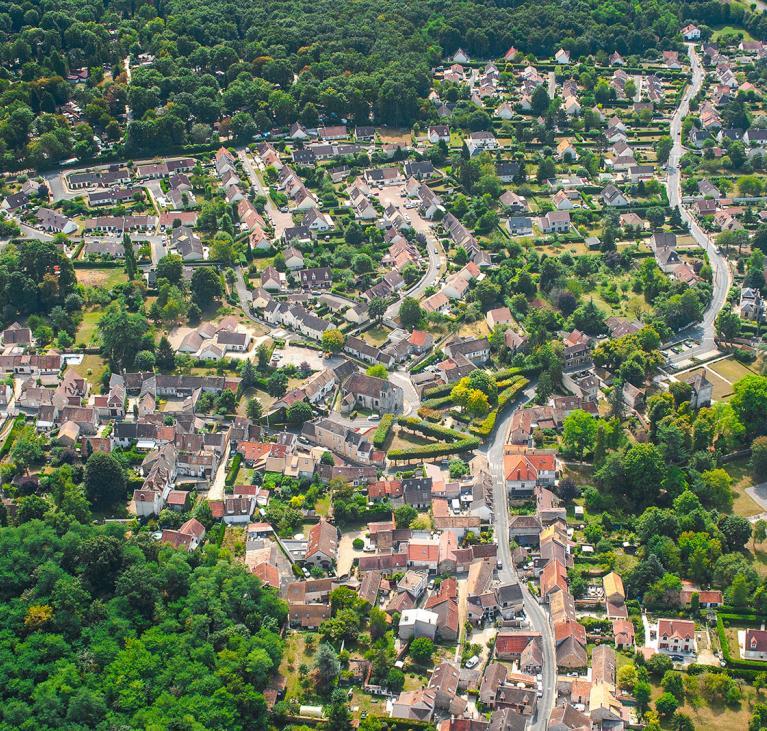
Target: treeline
{"points": [[97, 631], [250, 67]]}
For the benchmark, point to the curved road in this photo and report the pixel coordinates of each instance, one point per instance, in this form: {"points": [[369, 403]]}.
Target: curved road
{"points": [[722, 277], [536, 615], [436, 256]]}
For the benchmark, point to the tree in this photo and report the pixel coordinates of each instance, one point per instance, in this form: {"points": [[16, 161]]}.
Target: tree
{"points": [[672, 683], [378, 623], [144, 360], [165, 357], [736, 531], [666, 705], [421, 650], [254, 409], [642, 695], [410, 313], [206, 286], [405, 515], [122, 335], [578, 433], [377, 308], [377, 371], [130, 257], [727, 325], [327, 667], [539, 102], [105, 482], [758, 462], [299, 412], [395, 680], [333, 340], [663, 149]]}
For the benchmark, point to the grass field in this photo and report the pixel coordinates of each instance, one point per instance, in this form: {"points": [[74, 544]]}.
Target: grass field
{"points": [[721, 30], [376, 335], [741, 475], [86, 333], [293, 657], [90, 369], [711, 718], [101, 278], [731, 370], [722, 388]]}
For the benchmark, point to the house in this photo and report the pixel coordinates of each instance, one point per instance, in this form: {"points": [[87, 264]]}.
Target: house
{"points": [[316, 278], [691, 32], [371, 393], [416, 705], [53, 221], [322, 548], [755, 644], [555, 222], [751, 304], [566, 151], [270, 279], [623, 634], [439, 133], [520, 225], [499, 316], [633, 396], [460, 56], [707, 598], [612, 196], [475, 350], [420, 342], [702, 388], [510, 644], [562, 57], [523, 472], [415, 623], [676, 636]]}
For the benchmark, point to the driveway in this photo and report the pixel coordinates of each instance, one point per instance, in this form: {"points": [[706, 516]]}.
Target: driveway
{"points": [[346, 551]]}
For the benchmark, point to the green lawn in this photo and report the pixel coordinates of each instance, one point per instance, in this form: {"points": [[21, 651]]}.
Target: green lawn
{"points": [[86, 333], [102, 278], [741, 475]]}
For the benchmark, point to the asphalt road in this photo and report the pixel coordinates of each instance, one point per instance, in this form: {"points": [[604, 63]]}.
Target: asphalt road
{"points": [[722, 277], [280, 220], [436, 253], [536, 615]]}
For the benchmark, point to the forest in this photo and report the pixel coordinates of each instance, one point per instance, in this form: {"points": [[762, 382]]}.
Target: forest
{"points": [[249, 67], [100, 631]]}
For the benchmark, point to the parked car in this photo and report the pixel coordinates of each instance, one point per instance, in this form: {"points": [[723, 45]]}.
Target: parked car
{"points": [[473, 661]]}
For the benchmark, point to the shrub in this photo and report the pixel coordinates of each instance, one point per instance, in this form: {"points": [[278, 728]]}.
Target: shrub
{"points": [[358, 544]]}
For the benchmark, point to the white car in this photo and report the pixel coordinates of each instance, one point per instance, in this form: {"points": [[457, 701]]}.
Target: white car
{"points": [[374, 417], [473, 661]]}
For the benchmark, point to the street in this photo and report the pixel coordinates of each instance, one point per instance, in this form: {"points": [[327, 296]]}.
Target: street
{"points": [[536, 615], [437, 258], [280, 221], [722, 277]]}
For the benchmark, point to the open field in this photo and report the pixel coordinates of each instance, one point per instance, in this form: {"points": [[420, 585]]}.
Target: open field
{"points": [[741, 475], [90, 369], [101, 278], [86, 333], [731, 370]]}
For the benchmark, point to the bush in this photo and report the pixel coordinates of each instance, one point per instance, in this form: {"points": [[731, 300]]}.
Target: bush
{"points": [[358, 544]]}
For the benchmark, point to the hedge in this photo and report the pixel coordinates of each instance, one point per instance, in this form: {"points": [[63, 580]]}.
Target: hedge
{"points": [[731, 661], [382, 430], [434, 450], [431, 430], [18, 423], [426, 362], [486, 426], [438, 391], [438, 403], [235, 468]]}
